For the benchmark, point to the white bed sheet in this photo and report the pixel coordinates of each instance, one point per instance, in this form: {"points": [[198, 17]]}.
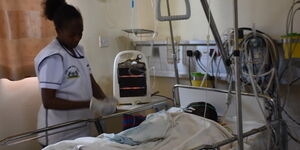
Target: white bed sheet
{"points": [[187, 132]]}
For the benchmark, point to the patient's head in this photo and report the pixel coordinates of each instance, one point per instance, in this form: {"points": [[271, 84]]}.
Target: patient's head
{"points": [[203, 109]]}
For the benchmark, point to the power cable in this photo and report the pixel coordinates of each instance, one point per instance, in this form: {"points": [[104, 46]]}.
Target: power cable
{"points": [[289, 116], [294, 138], [189, 70], [294, 81], [199, 64]]}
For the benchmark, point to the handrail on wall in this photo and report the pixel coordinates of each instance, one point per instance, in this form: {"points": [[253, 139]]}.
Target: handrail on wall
{"points": [[187, 15]]}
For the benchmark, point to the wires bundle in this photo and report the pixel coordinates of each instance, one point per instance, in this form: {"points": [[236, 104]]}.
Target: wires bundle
{"points": [[259, 61], [259, 56]]}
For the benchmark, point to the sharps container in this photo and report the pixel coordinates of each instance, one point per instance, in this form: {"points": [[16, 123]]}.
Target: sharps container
{"points": [[197, 79], [291, 45]]}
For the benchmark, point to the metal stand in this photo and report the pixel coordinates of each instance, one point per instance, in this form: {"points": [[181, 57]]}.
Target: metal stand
{"points": [[173, 45], [225, 55], [215, 32], [170, 18], [237, 78], [99, 126]]}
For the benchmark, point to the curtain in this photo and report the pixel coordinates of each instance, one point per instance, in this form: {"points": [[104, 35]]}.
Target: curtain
{"points": [[24, 31]]}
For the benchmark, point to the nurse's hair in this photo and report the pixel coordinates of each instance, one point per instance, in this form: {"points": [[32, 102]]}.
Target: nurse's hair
{"points": [[60, 12]]}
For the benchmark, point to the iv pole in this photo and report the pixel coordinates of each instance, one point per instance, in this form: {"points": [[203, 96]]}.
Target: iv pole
{"points": [[173, 46], [225, 55], [236, 54], [170, 18]]}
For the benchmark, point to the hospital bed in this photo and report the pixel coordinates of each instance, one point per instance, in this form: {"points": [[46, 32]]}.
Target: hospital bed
{"points": [[254, 121]]}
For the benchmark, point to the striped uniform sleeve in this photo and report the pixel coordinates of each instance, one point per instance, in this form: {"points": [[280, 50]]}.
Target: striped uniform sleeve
{"points": [[51, 72]]}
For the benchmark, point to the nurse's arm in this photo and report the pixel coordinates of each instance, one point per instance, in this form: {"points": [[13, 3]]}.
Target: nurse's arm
{"points": [[50, 101], [97, 91]]}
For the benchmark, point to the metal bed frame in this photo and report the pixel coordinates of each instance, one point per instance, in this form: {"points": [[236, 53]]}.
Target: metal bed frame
{"points": [[32, 135]]}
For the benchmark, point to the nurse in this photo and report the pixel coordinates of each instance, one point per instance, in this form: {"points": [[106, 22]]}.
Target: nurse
{"points": [[64, 74]]}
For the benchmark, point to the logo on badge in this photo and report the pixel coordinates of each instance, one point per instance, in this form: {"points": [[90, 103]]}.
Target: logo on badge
{"points": [[72, 72]]}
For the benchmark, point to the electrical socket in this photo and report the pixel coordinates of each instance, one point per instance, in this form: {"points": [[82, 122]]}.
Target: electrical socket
{"points": [[103, 42], [189, 53]]}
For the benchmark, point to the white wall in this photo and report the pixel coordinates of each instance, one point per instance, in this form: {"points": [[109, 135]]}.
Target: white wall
{"points": [[268, 16], [106, 18]]}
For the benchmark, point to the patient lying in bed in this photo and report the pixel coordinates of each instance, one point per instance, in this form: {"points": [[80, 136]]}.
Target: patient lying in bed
{"points": [[165, 130]]}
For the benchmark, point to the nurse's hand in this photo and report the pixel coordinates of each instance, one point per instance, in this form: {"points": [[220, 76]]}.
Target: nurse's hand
{"points": [[112, 99], [104, 107]]}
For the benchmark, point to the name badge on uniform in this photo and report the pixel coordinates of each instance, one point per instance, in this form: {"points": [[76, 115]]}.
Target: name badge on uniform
{"points": [[72, 72]]}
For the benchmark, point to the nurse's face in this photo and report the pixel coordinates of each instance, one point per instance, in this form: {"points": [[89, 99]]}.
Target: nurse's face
{"points": [[71, 32]]}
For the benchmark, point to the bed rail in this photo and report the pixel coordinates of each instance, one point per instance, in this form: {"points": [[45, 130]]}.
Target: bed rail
{"points": [[218, 145], [276, 126], [32, 135], [27, 136], [230, 140], [177, 86]]}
